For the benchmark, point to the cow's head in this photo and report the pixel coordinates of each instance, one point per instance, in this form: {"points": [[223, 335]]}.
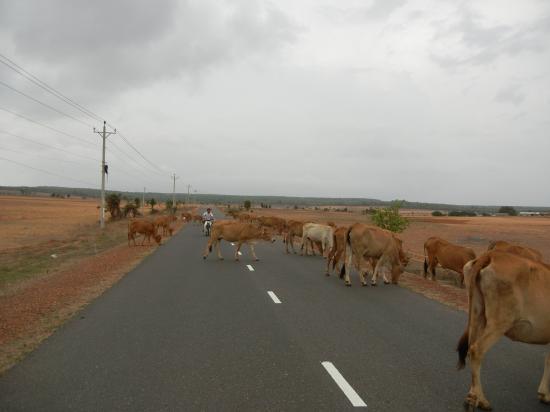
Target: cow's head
{"points": [[396, 271], [267, 235], [158, 239]]}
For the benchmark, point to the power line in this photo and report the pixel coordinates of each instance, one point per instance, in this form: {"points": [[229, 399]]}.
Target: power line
{"points": [[141, 155], [44, 104], [48, 145], [41, 157], [32, 78], [48, 127], [46, 171]]}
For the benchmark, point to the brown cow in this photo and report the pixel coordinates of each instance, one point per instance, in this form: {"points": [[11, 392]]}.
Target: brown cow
{"points": [[145, 228], [197, 219], [164, 222], [447, 254], [338, 247], [186, 216], [364, 242], [239, 233], [277, 224], [508, 296], [244, 217], [527, 252]]}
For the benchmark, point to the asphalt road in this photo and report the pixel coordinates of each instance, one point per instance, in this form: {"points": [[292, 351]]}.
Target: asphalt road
{"points": [[180, 333]]}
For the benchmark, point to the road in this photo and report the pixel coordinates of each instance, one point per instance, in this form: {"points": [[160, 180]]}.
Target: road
{"points": [[180, 333]]}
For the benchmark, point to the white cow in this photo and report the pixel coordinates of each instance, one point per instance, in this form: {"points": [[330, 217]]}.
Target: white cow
{"points": [[317, 233]]}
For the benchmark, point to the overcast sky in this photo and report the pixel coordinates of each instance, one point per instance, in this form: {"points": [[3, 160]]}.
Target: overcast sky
{"points": [[440, 101]]}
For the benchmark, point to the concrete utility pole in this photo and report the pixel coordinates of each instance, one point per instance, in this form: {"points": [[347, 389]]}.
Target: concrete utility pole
{"points": [[104, 134], [143, 203], [188, 187], [174, 177]]}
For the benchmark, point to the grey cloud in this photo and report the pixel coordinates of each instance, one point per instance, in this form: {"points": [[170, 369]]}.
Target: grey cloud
{"points": [[510, 94], [94, 47], [485, 44]]}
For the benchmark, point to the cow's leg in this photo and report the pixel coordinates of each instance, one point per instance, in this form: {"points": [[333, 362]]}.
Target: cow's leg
{"points": [[252, 252], [237, 250], [304, 244], [347, 265], [433, 265], [208, 248], [143, 240], [544, 387], [217, 242]]}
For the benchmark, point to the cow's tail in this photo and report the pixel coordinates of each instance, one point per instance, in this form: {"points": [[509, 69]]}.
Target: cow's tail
{"points": [[476, 309], [347, 249]]}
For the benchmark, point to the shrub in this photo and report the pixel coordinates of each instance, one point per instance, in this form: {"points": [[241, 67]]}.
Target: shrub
{"points": [[247, 204], [131, 209], [437, 213], [509, 210], [113, 205], [462, 213], [389, 218]]}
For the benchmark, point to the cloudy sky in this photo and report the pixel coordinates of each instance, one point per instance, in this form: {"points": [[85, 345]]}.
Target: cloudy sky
{"points": [[442, 101]]}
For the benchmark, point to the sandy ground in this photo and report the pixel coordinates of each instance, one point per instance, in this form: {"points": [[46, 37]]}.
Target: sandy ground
{"points": [[38, 292]]}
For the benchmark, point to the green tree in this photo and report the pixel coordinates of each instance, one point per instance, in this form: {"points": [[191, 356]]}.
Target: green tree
{"points": [[247, 204], [137, 202], [508, 210], [389, 218], [113, 205], [437, 213], [152, 202]]}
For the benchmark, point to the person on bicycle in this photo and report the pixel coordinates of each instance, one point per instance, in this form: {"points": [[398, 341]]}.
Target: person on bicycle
{"points": [[207, 216]]}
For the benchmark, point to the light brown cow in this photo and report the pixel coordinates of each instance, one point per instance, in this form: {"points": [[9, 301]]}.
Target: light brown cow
{"points": [[145, 228], [527, 252], [338, 247], [277, 224], [239, 233], [294, 228], [364, 242], [447, 254], [164, 222], [508, 297]]}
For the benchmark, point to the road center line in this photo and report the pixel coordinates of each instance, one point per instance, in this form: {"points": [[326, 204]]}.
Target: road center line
{"points": [[273, 296], [250, 268], [343, 384]]}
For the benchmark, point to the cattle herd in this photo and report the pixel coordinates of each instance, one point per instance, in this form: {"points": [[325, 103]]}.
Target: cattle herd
{"points": [[508, 286]]}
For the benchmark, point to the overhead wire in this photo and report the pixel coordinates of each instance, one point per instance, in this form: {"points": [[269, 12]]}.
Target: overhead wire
{"points": [[47, 171], [32, 78], [44, 104], [47, 127], [38, 82]]}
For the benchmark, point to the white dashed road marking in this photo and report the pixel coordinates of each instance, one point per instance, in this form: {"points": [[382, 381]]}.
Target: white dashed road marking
{"points": [[273, 296], [239, 253], [343, 384], [250, 268], [232, 244]]}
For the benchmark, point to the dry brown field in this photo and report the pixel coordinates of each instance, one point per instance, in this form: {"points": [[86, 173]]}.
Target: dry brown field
{"points": [[54, 259], [474, 232]]}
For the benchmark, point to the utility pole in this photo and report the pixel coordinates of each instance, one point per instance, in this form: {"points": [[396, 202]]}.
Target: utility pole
{"points": [[104, 134], [143, 203], [188, 187], [174, 177]]}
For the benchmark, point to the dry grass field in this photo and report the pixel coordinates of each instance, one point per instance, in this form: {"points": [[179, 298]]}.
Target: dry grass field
{"points": [[54, 259]]}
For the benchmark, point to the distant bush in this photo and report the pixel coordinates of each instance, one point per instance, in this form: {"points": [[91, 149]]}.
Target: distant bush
{"points": [[130, 209], [462, 213], [389, 218], [509, 210], [437, 213], [113, 205], [247, 204]]}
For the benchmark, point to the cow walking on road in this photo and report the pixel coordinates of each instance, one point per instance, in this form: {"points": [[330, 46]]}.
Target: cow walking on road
{"points": [[381, 247], [145, 228], [508, 296], [238, 232]]}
